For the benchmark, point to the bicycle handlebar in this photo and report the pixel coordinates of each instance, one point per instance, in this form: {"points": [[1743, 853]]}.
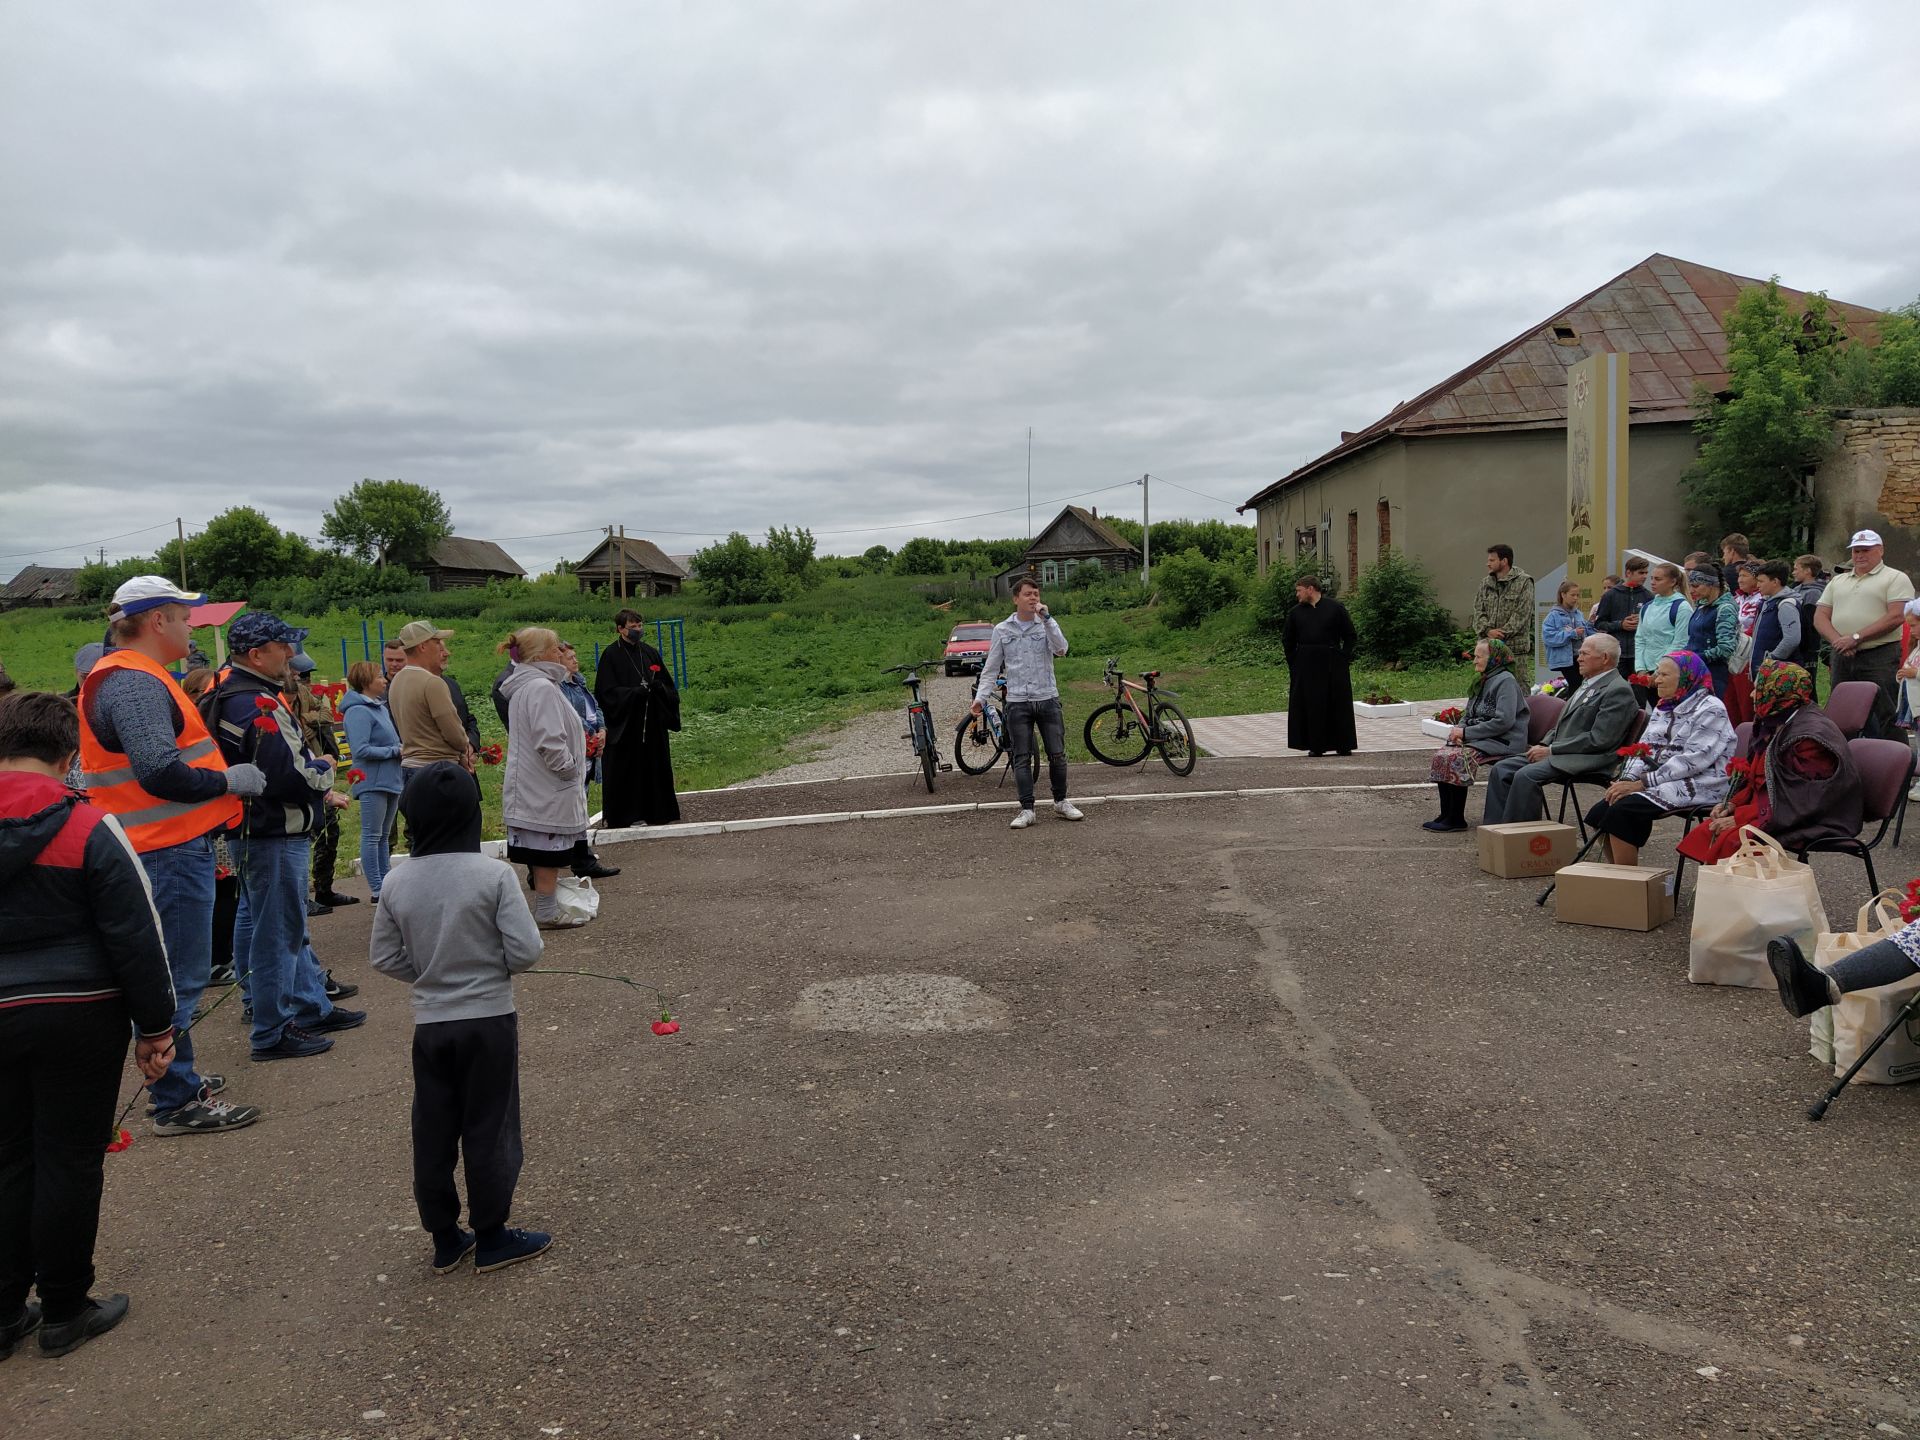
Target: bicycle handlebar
{"points": [[910, 665]]}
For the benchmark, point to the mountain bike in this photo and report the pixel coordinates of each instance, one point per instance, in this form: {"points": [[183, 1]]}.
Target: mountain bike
{"points": [[920, 720], [979, 744], [1121, 733]]}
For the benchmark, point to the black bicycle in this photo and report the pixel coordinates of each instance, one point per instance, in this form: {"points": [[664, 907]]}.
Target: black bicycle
{"points": [[1121, 733], [926, 747], [979, 743]]}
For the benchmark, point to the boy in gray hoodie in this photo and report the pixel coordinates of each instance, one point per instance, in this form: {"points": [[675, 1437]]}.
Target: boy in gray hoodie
{"points": [[452, 924]]}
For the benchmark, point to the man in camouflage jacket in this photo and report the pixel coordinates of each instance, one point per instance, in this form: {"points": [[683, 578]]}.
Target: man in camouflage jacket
{"points": [[1503, 610]]}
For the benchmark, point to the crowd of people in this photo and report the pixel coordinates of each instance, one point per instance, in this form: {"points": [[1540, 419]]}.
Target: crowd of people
{"points": [[163, 833]]}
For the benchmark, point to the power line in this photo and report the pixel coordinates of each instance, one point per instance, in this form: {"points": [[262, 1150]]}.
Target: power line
{"points": [[87, 545], [1191, 491]]}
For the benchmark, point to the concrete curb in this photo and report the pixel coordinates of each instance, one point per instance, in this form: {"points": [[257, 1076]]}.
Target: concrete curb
{"points": [[834, 817]]}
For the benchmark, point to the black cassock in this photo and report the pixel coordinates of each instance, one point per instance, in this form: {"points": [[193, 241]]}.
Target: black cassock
{"points": [[1319, 642], [636, 691]]}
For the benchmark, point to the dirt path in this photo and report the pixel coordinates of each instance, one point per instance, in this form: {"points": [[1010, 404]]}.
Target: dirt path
{"points": [[875, 744]]}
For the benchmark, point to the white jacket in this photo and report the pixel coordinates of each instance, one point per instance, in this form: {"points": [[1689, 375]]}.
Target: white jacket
{"points": [[1691, 746], [545, 785]]}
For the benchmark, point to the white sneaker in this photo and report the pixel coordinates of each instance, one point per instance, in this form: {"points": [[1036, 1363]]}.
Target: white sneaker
{"points": [[1022, 820], [1067, 810]]}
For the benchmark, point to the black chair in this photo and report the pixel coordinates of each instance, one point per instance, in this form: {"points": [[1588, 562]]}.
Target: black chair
{"points": [[1886, 771]]}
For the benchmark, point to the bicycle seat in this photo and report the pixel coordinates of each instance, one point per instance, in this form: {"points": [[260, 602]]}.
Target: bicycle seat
{"points": [[1149, 674]]}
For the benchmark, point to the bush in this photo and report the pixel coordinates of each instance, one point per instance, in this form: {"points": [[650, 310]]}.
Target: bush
{"points": [[1193, 587], [1273, 597], [920, 556], [738, 572], [1397, 619]]}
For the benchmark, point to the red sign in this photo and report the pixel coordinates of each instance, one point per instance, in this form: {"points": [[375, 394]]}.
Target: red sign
{"points": [[1540, 845]]}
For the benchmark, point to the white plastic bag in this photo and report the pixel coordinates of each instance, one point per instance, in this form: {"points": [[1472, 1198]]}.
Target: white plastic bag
{"points": [[579, 902]]}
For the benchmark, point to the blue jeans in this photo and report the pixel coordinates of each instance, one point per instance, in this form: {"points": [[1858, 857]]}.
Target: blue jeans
{"points": [[182, 880], [377, 809], [1023, 717], [278, 970]]}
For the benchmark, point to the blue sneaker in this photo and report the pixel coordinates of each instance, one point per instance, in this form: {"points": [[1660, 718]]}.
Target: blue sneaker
{"points": [[510, 1247], [450, 1249]]}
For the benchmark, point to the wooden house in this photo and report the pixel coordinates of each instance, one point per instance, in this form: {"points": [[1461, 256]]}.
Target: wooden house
{"points": [[456, 563], [635, 567], [1077, 537]]}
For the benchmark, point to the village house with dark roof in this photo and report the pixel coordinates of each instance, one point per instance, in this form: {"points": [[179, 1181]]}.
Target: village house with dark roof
{"points": [[1480, 457], [626, 566], [1076, 537], [457, 563], [40, 585]]}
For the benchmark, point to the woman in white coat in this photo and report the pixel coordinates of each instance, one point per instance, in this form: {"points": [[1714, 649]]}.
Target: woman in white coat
{"points": [[544, 797]]}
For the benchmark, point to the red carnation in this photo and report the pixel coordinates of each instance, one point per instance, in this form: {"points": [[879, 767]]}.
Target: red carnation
{"points": [[666, 1025], [1635, 752], [266, 722], [654, 668], [121, 1140], [265, 702], [1644, 681], [356, 775]]}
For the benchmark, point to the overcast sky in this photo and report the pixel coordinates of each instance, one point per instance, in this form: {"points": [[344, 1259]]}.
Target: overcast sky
{"points": [[701, 267]]}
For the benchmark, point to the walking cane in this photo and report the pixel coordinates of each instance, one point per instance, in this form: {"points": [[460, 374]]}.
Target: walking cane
{"points": [[1819, 1107]]}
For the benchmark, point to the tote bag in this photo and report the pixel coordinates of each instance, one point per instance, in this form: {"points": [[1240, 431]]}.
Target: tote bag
{"points": [[1755, 894], [1841, 1032]]}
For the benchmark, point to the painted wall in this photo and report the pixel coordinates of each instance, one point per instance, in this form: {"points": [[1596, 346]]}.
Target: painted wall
{"points": [[1452, 496]]}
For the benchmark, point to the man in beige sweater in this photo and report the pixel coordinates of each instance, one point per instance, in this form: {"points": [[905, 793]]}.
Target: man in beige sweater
{"points": [[422, 705]]}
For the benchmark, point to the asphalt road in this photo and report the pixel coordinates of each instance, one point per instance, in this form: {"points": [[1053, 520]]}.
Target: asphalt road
{"points": [[1229, 1117]]}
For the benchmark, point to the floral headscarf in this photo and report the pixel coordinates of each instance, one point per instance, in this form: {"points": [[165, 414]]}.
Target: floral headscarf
{"points": [[1693, 676], [1499, 658], [1780, 689]]}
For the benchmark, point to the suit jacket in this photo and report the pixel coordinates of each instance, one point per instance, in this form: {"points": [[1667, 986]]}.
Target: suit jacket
{"points": [[1593, 727]]}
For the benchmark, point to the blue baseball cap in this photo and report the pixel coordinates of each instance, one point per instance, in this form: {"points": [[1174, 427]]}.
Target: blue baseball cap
{"points": [[257, 627]]}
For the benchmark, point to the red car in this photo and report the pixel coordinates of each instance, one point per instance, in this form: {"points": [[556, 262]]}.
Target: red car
{"points": [[967, 647]]}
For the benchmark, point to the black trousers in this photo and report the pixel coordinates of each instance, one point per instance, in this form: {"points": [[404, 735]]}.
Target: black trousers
{"points": [[466, 1104], [1023, 718], [326, 851], [60, 1079]]}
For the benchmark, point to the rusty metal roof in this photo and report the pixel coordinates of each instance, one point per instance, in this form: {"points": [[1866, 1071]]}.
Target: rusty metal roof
{"points": [[1665, 312]]}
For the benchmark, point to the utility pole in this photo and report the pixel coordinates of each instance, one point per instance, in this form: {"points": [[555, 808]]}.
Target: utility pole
{"points": [[180, 525], [1146, 530], [623, 562], [1029, 484]]}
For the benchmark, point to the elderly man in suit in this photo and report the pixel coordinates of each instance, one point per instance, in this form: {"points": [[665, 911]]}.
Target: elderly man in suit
{"points": [[1586, 740]]}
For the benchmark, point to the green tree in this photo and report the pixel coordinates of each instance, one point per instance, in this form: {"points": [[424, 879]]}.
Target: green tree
{"points": [[876, 558], [241, 549], [96, 581], [1896, 359], [921, 556], [386, 521], [736, 571], [792, 550], [1759, 444], [1273, 597]]}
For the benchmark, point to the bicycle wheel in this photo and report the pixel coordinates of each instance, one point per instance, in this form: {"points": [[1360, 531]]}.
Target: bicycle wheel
{"points": [[1174, 736], [923, 742], [974, 755], [1114, 737]]}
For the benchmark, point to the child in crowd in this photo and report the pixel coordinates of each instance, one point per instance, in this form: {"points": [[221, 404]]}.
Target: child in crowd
{"points": [[452, 924], [1593, 610], [1748, 596]]}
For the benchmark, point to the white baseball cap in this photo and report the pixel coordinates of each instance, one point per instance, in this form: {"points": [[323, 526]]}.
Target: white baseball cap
{"points": [[146, 592], [1864, 537]]}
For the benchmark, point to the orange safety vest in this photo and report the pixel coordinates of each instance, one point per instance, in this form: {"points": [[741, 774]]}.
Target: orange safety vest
{"points": [[150, 822]]}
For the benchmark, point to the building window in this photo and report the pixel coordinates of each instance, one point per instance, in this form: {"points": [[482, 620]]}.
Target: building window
{"points": [[1266, 555], [1383, 513], [1353, 547], [1306, 541], [1049, 572]]}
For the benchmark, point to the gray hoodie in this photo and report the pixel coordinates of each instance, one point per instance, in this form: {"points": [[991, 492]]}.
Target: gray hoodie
{"points": [[545, 785], [455, 928]]}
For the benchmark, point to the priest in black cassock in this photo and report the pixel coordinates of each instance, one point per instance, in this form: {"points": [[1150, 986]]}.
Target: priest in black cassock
{"points": [[635, 690], [1319, 644]]}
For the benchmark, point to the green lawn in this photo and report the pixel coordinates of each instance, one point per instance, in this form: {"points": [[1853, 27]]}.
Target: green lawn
{"points": [[761, 678]]}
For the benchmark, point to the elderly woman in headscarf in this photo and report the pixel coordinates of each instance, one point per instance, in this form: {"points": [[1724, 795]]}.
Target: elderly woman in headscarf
{"points": [[1798, 781], [1679, 763], [1493, 725]]}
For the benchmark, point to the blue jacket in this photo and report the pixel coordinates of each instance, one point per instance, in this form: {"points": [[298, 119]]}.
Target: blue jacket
{"points": [[254, 725], [374, 742], [591, 718], [1564, 630]]}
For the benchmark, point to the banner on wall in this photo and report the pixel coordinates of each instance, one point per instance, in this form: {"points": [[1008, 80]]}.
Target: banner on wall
{"points": [[1596, 470]]}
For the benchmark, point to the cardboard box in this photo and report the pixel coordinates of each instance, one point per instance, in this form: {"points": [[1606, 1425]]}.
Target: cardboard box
{"points": [[1531, 847], [1623, 897]]}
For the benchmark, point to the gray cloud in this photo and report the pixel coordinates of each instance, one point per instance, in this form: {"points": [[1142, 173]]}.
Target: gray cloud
{"points": [[724, 267]]}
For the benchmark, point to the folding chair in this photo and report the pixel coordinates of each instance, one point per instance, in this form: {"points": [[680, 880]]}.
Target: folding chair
{"points": [[1886, 770], [1850, 705], [1568, 784], [1742, 739]]}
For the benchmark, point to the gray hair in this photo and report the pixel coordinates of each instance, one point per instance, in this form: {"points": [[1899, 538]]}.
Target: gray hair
{"points": [[1605, 645]]}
